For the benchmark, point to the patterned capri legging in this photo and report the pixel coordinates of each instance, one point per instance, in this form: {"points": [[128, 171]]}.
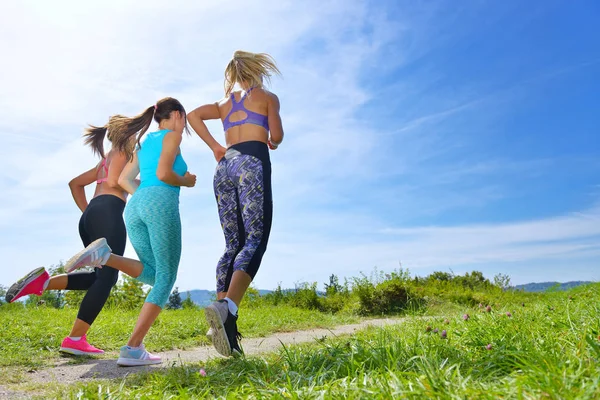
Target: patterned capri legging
{"points": [[242, 185], [154, 229]]}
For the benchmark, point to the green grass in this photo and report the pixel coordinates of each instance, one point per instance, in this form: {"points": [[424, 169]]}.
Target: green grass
{"points": [[548, 348], [31, 336]]}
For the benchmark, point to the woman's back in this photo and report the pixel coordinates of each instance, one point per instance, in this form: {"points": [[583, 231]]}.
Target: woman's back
{"points": [[104, 183], [149, 156], [245, 115]]}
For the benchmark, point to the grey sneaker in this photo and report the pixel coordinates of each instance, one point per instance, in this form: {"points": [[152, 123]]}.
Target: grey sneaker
{"points": [[224, 328], [95, 255]]}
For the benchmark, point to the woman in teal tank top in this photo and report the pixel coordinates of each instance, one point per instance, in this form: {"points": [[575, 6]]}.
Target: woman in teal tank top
{"points": [[151, 216]]}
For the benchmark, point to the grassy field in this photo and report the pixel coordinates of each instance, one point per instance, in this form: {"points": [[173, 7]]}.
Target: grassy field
{"points": [[547, 348], [31, 336], [482, 342]]}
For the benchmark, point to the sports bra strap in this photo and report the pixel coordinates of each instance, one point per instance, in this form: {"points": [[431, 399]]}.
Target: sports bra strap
{"points": [[104, 166]]}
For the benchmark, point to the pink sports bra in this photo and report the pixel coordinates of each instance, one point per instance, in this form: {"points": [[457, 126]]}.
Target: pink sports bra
{"points": [[105, 167]]}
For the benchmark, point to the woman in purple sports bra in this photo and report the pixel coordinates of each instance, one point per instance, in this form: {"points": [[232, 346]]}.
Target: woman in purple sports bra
{"points": [[242, 183], [102, 217]]}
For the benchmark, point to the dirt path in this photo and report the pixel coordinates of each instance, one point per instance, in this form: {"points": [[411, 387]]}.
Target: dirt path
{"points": [[107, 368], [9, 394]]}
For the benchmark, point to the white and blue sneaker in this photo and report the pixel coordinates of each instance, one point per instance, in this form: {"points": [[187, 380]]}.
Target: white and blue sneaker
{"points": [[136, 356], [95, 255]]}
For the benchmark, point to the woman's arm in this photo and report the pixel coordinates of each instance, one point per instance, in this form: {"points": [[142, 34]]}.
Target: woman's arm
{"points": [[164, 172], [275, 124], [196, 119], [127, 179], [78, 184]]}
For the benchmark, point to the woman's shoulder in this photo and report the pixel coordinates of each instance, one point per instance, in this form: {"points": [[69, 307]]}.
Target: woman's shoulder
{"points": [[260, 94], [272, 99], [159, 136], [263, 91], [265, 94]]}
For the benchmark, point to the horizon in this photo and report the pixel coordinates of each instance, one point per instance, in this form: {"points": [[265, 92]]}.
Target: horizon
{"points": [[432, 136], [321, 284]]}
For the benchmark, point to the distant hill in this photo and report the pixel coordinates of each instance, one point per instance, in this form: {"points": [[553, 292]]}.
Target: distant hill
{"points": [[543, 286], [204, 297]]}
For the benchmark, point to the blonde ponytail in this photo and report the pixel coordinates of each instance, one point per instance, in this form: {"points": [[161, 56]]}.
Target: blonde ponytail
{"points": [[251, 68]]}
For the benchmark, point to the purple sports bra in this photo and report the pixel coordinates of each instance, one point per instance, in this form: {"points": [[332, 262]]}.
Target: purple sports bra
{"points": [[251, 116]]}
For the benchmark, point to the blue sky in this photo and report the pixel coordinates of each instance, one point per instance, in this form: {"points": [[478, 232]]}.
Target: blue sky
{"points": [[443, 135]]}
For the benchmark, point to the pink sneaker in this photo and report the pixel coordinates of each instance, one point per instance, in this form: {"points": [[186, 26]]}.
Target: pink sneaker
{"points": [[79, 347], [32, 283]]}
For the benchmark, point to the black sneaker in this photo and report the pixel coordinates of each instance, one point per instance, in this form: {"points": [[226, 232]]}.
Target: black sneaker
{"points": [[232, 333], [224, 328], [239, 338]]}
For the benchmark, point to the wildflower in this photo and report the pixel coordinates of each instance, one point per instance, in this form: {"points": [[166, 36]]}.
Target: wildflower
{"points": [[443, 334], [508, 314], [435, 330], [489, 346], [202, 372], [466, 317], [428, 329], [480, 305], [488, 309]]}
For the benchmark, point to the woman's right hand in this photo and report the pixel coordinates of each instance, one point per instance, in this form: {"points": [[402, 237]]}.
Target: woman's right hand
{"points": [[189, 179], [219, 152]]}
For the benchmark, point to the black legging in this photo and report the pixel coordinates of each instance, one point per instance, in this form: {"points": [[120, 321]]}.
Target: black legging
{"points": [[242, 186], [102, 218]]}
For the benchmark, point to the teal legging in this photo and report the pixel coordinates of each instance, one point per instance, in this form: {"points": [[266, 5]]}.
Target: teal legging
{"points": [[154, 229]]}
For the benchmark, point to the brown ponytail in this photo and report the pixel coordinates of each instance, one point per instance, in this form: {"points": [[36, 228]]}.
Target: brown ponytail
{"points": [[94, 137], [122, 129]]}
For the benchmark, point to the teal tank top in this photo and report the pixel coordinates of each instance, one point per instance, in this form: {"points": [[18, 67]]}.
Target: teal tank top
{"points": [[148, 156]]}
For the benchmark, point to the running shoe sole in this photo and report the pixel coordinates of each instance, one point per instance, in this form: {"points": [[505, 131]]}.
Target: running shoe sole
{"points": [[133, 362], [219, 336], [76, 352], [76, 259], [16, 289]]}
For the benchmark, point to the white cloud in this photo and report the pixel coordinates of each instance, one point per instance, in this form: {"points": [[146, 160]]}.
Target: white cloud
{"points": [[76, 62], [80, 62]]}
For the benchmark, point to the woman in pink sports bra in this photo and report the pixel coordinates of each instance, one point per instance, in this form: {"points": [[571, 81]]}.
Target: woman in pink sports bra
{"points": [[102, 217], [242, 184]]}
